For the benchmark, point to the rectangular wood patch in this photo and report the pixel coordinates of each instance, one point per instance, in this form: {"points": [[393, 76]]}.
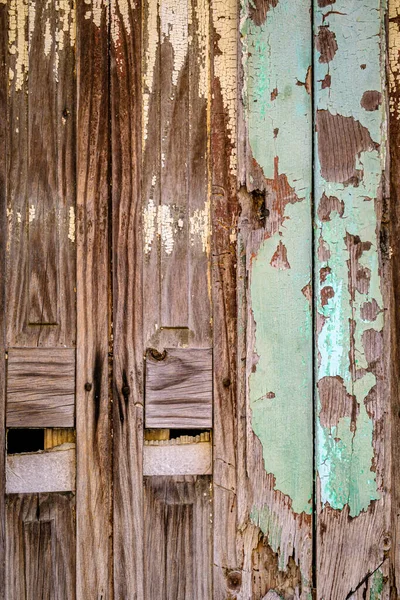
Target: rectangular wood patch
{"points": [[183, 459], [41, 387], [179, 389], [37, 472]]}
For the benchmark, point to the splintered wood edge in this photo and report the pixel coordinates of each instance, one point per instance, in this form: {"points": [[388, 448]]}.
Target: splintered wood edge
{"points": [[180, 459], [52, 471]]}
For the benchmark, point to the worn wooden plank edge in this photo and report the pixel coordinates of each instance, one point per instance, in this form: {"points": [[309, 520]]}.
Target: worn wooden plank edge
{"points": [[185, 459], [52, 471]]}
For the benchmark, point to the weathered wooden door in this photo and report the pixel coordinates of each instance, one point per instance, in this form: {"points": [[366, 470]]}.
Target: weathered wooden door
{"points": [[199, 252]]}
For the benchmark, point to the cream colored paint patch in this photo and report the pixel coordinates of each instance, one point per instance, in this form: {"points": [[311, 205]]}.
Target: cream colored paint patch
{"points": [[71, 225], [119, 11], [200, 226], [174, 19], [202, 32], [225, 22], [166, 228], [18, 41], [32, 213], [151, 41], [149, 225], [394, 62]]}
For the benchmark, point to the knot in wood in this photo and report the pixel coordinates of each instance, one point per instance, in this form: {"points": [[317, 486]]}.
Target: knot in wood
{"points": [[234, 580], [154, 353]]}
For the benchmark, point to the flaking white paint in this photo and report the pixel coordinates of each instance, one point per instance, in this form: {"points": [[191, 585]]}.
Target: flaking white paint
{"points": [[225, 22], [203, 36], [394, 63], [199, 226], [32, 213], [151, 41], [174, 19], [18, 41]]}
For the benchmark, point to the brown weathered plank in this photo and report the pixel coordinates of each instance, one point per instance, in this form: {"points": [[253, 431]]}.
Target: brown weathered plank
{"points": [[224, 215], [40, 547], [93, 325], [175, 175], [41, 202], [40, 387], [179, 389], [126, 101], [177, 538], [3, 239]]}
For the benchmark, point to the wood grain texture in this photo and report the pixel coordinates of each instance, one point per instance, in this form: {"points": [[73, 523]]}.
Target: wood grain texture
{"points": [[178, 389], [176, 215], [393, 225], [40, 547], [52, 471], [177, 538], [40, 388], [3, 239], [126, 100], [227, 575], [41, 166], [352, 281], [93, 487]]}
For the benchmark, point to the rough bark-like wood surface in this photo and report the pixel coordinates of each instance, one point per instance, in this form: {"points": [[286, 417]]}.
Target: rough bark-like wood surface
{"points": [[178, 538], [126, 47], [93, 433], [40, 547]]}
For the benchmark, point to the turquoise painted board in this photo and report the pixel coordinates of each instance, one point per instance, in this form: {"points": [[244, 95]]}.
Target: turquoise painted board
{"points": [[276, 232], [351, 426]]}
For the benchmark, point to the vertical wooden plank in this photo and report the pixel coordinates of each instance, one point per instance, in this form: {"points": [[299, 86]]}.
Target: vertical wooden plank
{"points": [[92, 383], [351, 277], [176, 214], [224, 214], [40, 547], [126, 100], [41, 199], [3, 238], [275, 246], [394, 228], [178, 538]]}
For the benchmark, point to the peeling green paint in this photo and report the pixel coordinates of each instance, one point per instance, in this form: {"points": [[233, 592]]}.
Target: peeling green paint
{"points": [[345, 450], [376, 586], [278, 118]]}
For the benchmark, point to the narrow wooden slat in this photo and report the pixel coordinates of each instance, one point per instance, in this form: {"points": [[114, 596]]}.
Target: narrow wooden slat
{"points": [[174, 173], [40, 547], [179, 389], [40, 388], [176, 191], [351, 289], [177, 538], [224, 216], [3, 241], [183, 459], [41, 213], [93, 488], [126, 101], [52, 471], [275, 414], [393, 225]]}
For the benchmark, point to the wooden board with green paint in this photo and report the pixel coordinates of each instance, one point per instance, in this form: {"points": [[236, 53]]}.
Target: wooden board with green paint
{"points": [[201, 251]]}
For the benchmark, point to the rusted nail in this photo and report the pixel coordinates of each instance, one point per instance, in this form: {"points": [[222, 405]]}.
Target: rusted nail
{"points": [[88, 387], [226, 382], [154, 353], [66, 113]]}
